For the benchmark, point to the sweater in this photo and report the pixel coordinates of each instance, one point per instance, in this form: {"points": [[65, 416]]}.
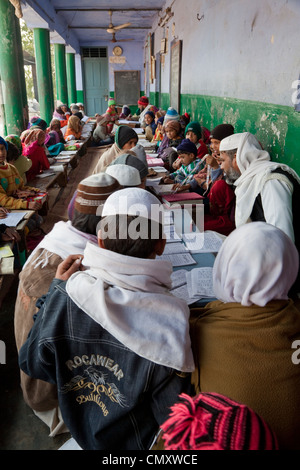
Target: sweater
{"points": [[39, 159], [10, 182]]}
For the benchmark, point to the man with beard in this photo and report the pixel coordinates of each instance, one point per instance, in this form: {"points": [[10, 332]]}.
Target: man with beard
{"points": [[265, 191]]}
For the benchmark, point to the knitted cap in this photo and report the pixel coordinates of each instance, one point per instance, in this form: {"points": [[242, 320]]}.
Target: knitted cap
{"points": [[221, 131], [111, 102], [143, 101], [93, 191], [131, 160], [124, 134], [16, 140], [171, 115], [211, 421], [186, 146], [150, 113], [3, 142], [173, 125], [134, 201], [126, 175], [38, 122], [195, 127]]}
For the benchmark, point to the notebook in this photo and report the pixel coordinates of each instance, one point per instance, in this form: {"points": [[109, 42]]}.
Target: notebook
{"points": [[155, 161], [182, 198]]}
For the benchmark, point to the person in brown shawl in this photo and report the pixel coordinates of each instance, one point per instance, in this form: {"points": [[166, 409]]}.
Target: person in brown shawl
{"points": [[243, 342]]}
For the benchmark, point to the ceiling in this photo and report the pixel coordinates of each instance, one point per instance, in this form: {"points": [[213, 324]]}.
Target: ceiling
{"points": [[85, 22]]}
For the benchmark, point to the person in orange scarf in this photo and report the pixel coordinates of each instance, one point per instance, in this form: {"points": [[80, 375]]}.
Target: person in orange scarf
{"points": [[74, 129]]}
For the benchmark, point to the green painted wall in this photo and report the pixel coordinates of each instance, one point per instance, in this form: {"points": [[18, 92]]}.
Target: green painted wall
{"points": [[276, 127], [80, 96]]}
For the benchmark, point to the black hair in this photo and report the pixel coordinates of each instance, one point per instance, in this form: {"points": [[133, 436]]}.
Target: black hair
{"points": [[117, 231], [12, 153]]}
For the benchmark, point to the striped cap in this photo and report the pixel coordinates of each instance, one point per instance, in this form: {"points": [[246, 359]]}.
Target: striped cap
{"points": [[93, 191], [211, 421]]}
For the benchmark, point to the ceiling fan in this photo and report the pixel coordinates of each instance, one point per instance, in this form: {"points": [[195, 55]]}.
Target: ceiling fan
{"points": [[113, 29]]}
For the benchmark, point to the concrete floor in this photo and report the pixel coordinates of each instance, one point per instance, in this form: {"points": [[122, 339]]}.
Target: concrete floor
{"points": [[20, 428]]}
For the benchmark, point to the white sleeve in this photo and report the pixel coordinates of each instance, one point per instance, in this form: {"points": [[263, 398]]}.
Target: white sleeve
{"points": [[276, 199]]}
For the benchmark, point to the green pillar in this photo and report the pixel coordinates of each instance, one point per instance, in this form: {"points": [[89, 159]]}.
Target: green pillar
{"points": [[71, 77], [10, 74], [44, 73], [61, 73], [21, 71]]}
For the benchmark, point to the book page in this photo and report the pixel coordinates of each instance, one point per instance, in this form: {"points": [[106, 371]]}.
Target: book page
{"points": [[202, 242], [200, 282], [178, 259], [13, 218]]}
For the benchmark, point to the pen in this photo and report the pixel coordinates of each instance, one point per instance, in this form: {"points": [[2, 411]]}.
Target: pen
{"points": [[192, 172]]}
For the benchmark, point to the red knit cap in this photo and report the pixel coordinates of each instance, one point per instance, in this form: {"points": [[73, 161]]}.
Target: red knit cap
{"points": [[143, 101], [211, 421]]}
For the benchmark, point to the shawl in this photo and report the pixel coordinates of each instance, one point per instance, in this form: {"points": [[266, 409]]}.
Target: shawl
{"points": [[109, 156], [130, 298], [246, 353], [256, 168], [63, 240], [256, 263]]}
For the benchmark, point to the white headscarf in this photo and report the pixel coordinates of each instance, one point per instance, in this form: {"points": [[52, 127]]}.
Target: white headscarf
{"points": [[255, 166], [257, 263]]}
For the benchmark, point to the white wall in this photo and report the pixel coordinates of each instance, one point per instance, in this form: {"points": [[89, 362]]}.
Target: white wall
{"points": [[245, 49]]}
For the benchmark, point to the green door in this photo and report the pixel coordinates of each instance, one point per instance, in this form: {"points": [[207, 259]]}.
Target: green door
{"points": [[95, 72]]}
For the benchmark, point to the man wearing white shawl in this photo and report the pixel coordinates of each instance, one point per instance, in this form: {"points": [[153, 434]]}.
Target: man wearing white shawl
{"points": [[111, 335], [265, 191]]}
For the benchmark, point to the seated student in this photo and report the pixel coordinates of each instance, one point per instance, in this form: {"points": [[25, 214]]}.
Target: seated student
{"points": [[210, 421], [101, 136], [85, 118], [125, 113], [15, 156], [265, 191], [125, 139], [143, 107], [74, 129], [129, 321], [159, 132], [184, 120], [193, 132], [12, 188], [243, 342], [150, 125], [127, 159], [187, 152], [113, 115], [34, 148], [173, 134], [54, 126], [38, 272], [59, 114]]}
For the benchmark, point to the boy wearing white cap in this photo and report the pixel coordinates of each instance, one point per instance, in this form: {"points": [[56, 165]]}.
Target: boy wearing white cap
{"points": [[39, 270], [111, 335]]}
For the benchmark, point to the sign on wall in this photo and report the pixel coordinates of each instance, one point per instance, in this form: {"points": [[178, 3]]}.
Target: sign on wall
{"points": [[175, 74]]}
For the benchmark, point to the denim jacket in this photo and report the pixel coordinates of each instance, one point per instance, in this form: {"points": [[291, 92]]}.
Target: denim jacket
{"points": [[110, 397]]}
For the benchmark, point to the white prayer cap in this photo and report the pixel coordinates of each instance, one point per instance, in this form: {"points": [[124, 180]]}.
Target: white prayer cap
{"points": [[134, 201], [232, 142], [126, 175], [236, 141]]}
